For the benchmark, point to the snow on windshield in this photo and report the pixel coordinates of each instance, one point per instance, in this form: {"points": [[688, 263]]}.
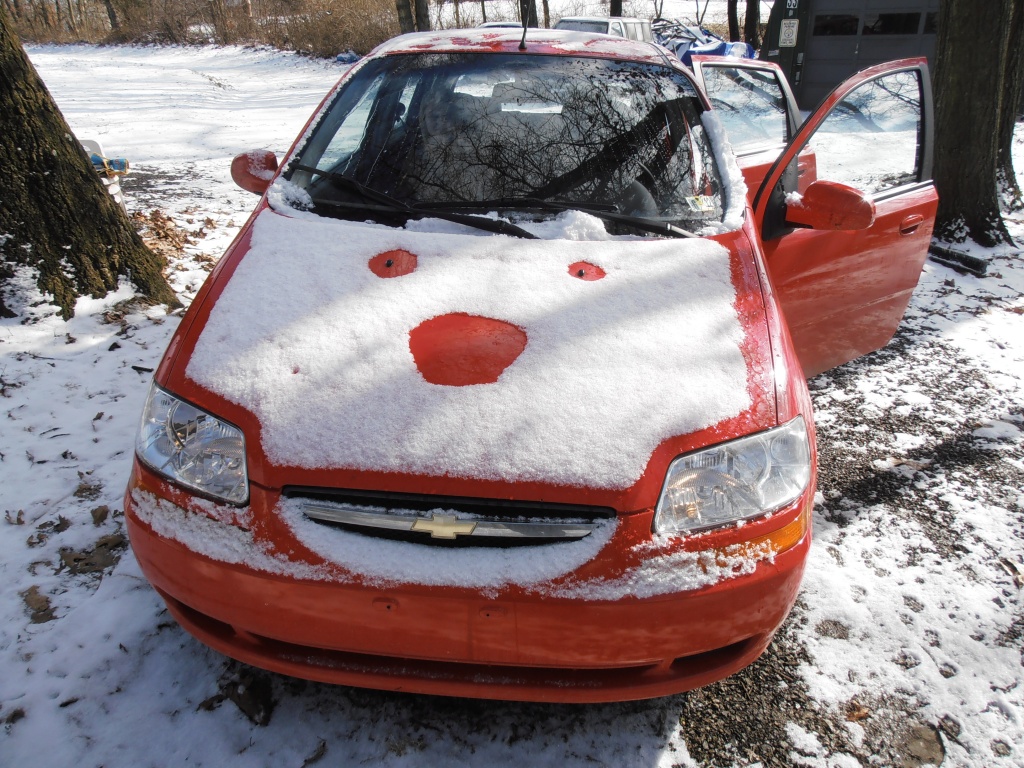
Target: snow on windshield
{"points": [[309, 339]]}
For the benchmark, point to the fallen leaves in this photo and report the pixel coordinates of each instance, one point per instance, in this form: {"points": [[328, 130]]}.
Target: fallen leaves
{"points": [[38, 604], [251, 691], [105, 554]]}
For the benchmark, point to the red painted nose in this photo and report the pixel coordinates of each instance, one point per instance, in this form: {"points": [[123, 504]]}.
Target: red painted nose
{"points": [[460, 349]]}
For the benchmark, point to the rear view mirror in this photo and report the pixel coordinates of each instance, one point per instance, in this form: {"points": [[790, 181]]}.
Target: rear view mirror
{"points": [[253, 171], [830, 205]]}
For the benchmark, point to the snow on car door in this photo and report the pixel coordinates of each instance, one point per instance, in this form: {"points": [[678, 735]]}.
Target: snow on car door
{"points": [[845, 252], [755, 104]]}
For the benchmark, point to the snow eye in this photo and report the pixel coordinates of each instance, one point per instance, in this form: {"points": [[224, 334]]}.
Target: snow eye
{"points": [[584, 270], [393, 263]]}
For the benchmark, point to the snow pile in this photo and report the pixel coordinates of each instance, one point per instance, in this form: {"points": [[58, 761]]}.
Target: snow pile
{"points": [[612, 367]]}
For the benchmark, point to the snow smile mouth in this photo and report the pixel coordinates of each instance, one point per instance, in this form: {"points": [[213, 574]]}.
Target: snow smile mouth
{"points": [[458, 349]]}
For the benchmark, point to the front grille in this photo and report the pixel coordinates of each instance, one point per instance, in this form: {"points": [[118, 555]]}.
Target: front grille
{"points": [[449, 520]]}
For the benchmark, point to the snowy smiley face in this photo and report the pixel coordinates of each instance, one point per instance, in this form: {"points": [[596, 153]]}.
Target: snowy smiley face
{"points": [[460, 349], [483, 357]]}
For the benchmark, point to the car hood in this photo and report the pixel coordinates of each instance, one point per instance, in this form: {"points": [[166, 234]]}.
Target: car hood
{"points": [[345, 341]]}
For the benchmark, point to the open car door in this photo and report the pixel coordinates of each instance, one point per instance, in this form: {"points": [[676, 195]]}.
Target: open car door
{"points": [[755, 104], [845, 251]]}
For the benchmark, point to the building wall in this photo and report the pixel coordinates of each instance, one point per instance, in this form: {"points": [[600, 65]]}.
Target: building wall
{"points": [[835, 38]]}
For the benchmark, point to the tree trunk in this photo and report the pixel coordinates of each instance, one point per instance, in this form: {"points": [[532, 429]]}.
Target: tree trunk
{"points": [[547, 14], [422, 15], [614, 7], [56, 215], [971, 50], [528, 12], [405, 22], [1013, 100], [112, 15], [732, 10], [458, 14], [483, 9], [752, 24]]}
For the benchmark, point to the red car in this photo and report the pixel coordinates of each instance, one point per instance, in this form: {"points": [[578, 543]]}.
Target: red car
{"points": [[500, 392]]}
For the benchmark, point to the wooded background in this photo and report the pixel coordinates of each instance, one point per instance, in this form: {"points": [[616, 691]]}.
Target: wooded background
{"points": [[316, 27]]}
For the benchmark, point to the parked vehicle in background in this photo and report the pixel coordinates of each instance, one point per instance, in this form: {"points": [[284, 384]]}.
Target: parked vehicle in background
{"points": [[110, 169], [630, 28], [500, 391]]}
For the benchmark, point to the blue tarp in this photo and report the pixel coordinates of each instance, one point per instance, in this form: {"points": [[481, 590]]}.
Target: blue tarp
{"points": [[718, 48]]}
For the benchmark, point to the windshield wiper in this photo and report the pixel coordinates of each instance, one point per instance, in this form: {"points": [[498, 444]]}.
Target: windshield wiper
{"points": [[600, 210], [383, 202]]}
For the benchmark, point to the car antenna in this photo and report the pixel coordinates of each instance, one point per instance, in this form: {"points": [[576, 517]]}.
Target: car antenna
{"points": [[525, 16]]}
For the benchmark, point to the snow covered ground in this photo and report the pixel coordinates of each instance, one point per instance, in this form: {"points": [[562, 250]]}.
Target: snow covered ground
{"points": [[905, 648]]}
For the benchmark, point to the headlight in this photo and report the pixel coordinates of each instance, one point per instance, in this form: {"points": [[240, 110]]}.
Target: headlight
{"points": [[735, 481], [193, 448]]}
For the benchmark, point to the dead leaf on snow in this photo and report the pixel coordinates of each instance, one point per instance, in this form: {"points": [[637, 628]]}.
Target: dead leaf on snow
{"points": [[252, 692], [87, 491], [99, 514], [104, 555], [923, 747], [14, 716], [1014, 572], [855, 712], [318, 753], [38, 604]]}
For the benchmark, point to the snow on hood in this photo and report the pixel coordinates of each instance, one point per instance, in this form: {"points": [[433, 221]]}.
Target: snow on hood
{"points": [[317, 346]]}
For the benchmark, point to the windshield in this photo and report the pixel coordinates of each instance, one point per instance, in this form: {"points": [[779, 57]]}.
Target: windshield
{"points": [[506, 132]]}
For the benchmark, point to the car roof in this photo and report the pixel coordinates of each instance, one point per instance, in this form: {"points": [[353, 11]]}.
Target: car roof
{"points": [[557, 42], [600, 18]]}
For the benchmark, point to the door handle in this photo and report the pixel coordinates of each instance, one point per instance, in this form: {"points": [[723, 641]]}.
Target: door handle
{"points": [[910, 224]]}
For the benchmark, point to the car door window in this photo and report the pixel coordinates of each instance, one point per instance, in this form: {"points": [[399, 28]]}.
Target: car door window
{"points": [[750, 103], [870, 139], [844, 283]]}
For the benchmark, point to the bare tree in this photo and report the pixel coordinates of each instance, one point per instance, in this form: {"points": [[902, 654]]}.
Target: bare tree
{"points": [[56, 216], [614, 7], [1013, 90], [732, 9], [973, 58], [405, 21], [422, 15], [752, 24], [528, 12]]}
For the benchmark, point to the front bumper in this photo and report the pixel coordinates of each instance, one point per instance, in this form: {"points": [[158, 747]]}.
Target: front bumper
{"points": [[513, 643]]}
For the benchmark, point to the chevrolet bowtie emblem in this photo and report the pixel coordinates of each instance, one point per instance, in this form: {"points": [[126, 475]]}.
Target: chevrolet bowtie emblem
{"points": [[443, 526]]}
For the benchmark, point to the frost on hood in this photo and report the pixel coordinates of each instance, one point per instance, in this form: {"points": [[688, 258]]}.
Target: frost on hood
{"points": [[317, 346]]}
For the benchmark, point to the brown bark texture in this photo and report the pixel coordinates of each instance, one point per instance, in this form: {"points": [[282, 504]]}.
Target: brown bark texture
{"points": [[528, 12], [733, 13], [1013, 90], [752, 24], [55, 214], [405, 21], [422, 15], [970, 63]]}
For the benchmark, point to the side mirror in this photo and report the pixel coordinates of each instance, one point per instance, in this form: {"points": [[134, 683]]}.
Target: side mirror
{"points": [[830, 205], [252, 171]]}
